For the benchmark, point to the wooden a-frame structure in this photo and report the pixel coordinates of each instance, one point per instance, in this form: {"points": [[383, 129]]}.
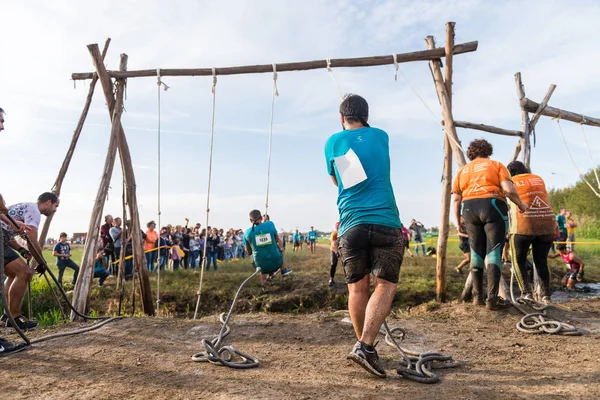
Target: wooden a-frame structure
{"points": [[113, 84]]}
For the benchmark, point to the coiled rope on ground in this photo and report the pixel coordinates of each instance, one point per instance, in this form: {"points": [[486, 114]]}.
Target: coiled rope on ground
{"points": [[217, 352], [417, 366], [539, 322]]}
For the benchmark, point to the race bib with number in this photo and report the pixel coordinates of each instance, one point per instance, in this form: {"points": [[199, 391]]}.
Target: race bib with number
{"points": [[263, 240]]}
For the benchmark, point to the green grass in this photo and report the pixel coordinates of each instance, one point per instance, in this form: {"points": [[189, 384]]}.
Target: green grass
{"points": [[305, 290]]}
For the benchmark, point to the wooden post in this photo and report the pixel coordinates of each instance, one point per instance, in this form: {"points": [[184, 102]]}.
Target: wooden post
{"points": [[516, 152], [67, 160], [442, 246], [525, 141], [139, 259], [81, 295], [442, 92]]}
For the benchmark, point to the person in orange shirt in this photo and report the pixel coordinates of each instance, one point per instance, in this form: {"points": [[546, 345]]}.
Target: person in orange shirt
{"points": [[151, 242], [532, 229], [479, 189]]}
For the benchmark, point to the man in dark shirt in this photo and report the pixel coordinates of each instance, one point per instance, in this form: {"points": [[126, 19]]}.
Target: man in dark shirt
{"points": [[107, 242], [62, 252]]}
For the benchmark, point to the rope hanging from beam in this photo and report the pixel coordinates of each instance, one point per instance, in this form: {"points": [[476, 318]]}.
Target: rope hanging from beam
{"points": [[159, 85], [333, 78], [562, 135], [414, 90], [210, 158], [587, 146], [274, 94]]}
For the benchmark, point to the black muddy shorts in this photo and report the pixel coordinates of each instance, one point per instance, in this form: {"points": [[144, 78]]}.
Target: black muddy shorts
{"points": [[368, 248], [9, 254]]}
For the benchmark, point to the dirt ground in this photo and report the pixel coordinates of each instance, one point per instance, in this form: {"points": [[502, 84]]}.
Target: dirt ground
{"points": [[303, 357]]}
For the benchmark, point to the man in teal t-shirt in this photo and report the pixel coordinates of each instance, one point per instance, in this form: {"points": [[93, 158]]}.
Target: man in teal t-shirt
{"points": [[562, 225], [370, 238], [263, 243], [297, 240], [312, 239]]}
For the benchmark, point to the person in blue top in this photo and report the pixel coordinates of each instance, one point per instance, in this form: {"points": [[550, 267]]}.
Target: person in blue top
{"points": [[263, 243], [562, 225], [62, 252], [312, 239], [370, 239], [297, 240]]}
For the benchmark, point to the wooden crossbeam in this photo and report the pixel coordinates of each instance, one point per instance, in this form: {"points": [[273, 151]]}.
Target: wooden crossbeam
{"points": [[531, 106], [424, 55], [487, 128]]}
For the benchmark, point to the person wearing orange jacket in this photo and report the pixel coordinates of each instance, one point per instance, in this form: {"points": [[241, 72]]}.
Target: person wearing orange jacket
{"points": [[480, 190]]}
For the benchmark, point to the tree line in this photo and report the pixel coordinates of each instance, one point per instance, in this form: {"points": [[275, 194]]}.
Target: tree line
{"points": [[582, 202]]}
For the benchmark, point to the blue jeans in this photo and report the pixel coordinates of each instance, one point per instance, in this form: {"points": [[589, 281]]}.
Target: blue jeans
{"points": [[239, 251], [150, 260], [228, 254], [211, 256], [163, 262], [129, 267], [417, 241], [193, 257]]}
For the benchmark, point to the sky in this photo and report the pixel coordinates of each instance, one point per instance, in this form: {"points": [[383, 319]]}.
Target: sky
{"points": [[44, 42]]}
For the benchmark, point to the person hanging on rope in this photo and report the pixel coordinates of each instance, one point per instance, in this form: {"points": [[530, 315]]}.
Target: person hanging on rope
{"points": [[370, 238], [312, 239], [532, 229], [263, 243], [479, 189]]}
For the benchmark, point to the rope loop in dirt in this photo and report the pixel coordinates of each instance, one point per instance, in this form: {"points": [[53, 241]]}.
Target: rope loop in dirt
{"points": [[417, 366], [227, 355]]}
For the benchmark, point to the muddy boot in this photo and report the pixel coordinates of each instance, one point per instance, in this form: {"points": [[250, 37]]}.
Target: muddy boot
{"points": [[494, 302], [477, 287]]}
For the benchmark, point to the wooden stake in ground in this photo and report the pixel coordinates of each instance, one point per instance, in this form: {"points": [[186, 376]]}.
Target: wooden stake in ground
{"points": [[83, 288], [139, 260], [442, 247], [67, 160]]}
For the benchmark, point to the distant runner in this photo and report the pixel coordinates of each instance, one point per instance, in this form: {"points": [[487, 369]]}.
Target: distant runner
{"points": [[312, 239]]}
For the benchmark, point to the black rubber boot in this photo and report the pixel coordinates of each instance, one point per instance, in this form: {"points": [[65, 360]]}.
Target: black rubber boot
{"points": [[494, 302], [477, 286]]}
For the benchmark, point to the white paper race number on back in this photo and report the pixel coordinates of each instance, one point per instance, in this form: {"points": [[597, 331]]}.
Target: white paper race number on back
{"points": [[350, 169], [263, 240]]}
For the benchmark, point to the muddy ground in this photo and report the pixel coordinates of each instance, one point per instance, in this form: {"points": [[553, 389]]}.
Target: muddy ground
{"points": [[303, 357]]}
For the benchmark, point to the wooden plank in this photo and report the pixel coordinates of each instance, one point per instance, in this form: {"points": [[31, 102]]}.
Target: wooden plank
{"points": [[487, 128], [139, 259], [525, 124], [67, 160], [424, 55], [446, 107], [83, 288], [516, 152], [532, 106], [543, 104]]}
